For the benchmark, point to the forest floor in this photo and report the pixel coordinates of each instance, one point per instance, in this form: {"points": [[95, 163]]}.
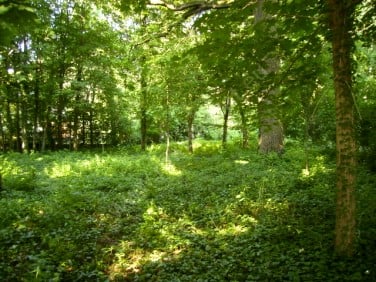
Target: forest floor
{"points": [[214, 215]]}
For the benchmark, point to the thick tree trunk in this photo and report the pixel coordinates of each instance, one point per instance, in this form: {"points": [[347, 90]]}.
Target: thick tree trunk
{"points": [[341, 25], [270, 127]]}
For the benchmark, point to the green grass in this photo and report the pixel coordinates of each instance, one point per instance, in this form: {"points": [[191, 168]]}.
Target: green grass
{"points": [[216, 215]]}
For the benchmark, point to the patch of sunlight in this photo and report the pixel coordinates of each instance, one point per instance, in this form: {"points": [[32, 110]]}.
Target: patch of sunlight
{"points": [[317, 166], [198, 231], [242, 162], [305, 172], [156, 255], [233, 229], [273, 205], [131, 260], [59, 170], [171, 169]]}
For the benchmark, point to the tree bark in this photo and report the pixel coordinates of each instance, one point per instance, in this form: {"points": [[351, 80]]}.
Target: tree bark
{"points": [[226, 115], [60, 110], [36, 106], [270, 127], [2, 134], [18, 123], [243, 118], [91, 118], [143, 121], [191, 117], [143, 106], [341, 16], [76, 112], [244, 127]]}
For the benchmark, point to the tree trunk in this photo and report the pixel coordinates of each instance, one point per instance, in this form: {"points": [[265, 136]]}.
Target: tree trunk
{"points": [[76, 112], [243, 120], [60, 109], [91, 119], [24, 120], [83, 130], [226, 114], [191, 117], [341, 13], [245, 136], [11, 127], [47, 132], [3, 147], [143, 129], [270, 127], [36, 109], [143, 108], [18, 124]]}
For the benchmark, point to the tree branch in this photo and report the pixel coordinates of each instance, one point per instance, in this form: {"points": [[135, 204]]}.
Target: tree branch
{"points": [[193, 7]]}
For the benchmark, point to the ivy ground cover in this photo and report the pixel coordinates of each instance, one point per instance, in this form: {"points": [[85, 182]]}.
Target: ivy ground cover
{"points": [[215, 215]]}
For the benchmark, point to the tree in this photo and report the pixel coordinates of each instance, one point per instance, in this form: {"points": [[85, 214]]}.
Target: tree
{"points": [[15, 16], [341, 23], [270, 127]]}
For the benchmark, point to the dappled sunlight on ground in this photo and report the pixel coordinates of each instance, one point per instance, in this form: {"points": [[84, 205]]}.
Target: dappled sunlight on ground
{"points": [[242, 162], [170, 169], [215, 215]]}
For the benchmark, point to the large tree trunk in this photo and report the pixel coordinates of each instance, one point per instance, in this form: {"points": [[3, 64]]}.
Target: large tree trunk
{"points": [[270, 127], [341, 13]]}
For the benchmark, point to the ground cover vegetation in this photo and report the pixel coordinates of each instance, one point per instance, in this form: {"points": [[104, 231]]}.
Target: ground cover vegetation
{"points": [[187, 140], [215, 215]]}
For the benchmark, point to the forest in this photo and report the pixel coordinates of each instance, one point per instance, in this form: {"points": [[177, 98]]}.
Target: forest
{"points": [[187, 140]]}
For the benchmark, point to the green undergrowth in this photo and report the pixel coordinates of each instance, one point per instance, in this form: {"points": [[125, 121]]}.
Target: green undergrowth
{"points": [[215, 215]]}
